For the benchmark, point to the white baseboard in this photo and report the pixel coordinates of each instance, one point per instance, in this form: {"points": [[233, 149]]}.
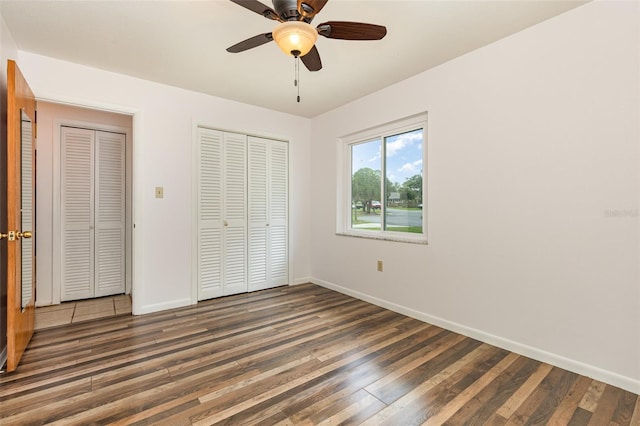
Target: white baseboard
{"points": [[615, 379], [303, 280], [148, 309]]}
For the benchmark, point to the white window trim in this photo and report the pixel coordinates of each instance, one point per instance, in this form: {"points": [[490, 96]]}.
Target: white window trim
{"points": [[343, 211]]}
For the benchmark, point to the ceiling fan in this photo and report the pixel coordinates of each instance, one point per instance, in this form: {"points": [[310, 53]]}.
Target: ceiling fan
{"points": [[294, 33]]}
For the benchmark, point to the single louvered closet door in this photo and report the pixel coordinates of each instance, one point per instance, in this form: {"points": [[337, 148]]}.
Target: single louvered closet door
{"points": [[235, 212], [268, 213], [93, 213], [109, 214]]}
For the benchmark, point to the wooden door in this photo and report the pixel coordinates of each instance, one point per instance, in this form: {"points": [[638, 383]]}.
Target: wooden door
{"points": [[21, 129]]}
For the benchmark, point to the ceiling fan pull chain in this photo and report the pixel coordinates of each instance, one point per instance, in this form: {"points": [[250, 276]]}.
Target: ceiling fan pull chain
{"points": [[296, 81]]}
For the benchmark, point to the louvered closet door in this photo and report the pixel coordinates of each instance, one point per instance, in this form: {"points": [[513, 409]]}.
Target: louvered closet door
{"points": [[279, 213], [222, 214], [258, 214], [77, 213], [268, 213], [26, 166], [210, 223], [93, 213], [109, 214], [235, 213]]}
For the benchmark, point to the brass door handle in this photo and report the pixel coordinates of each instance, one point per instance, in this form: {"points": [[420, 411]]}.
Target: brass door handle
{"points": [[16, 235], [25, 234]]}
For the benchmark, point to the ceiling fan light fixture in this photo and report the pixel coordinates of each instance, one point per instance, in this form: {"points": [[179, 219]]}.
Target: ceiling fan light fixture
{"points": [[295, 38]]}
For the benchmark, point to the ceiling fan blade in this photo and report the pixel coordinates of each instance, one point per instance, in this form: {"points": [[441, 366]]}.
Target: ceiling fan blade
{"points": [[351, 30], [259, 8], [250, 43], [309, 8], [312, 60]]}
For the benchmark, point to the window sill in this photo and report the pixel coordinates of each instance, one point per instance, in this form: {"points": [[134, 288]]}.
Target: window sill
{"points": [[383, 237]]}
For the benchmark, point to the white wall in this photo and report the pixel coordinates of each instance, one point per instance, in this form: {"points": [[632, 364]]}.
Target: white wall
{"points": [[163, 122], [533, 184]]}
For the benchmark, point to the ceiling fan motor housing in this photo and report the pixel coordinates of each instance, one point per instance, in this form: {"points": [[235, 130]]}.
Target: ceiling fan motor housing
{"points": [[287, 9]]}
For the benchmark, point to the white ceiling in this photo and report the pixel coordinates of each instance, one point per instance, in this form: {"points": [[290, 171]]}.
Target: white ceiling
{"points": [[182, 43]]}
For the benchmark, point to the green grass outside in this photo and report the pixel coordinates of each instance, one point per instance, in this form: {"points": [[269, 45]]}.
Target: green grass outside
{"points": [[358, 222], [413, 229], [395, 208]]}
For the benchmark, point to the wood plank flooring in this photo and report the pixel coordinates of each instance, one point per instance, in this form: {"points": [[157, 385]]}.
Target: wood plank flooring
{"points": [[288, 356]]}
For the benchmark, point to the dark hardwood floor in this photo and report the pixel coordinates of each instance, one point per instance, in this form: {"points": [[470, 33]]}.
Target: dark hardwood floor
{"points": [[292, 355]]}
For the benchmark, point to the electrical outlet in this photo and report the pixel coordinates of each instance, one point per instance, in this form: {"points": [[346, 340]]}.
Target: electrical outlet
{"points": [[379, 265], [159, 192]]}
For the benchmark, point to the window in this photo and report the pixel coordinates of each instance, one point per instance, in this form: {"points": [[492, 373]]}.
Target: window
{"points": [[383, 186]]}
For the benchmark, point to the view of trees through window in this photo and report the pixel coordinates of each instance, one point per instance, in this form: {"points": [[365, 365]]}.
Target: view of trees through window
{"points": [[393, 203]]}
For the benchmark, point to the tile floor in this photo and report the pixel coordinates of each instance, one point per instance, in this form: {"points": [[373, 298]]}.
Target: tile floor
{"points": [[82, 310]]}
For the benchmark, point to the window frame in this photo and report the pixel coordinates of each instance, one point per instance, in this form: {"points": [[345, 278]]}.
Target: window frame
{"points": [[344, 201]]}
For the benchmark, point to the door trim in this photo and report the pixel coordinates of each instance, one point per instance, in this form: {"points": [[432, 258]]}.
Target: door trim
{"points": [[137, 202]]}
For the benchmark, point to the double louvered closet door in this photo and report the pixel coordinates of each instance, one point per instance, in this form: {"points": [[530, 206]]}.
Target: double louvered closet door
{"points": [[242, 213], [92, 213]]}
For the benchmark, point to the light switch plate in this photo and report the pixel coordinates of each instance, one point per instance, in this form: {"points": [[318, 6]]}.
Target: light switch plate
{"points": [[159, 192]]}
